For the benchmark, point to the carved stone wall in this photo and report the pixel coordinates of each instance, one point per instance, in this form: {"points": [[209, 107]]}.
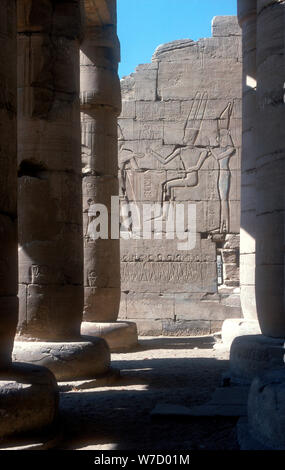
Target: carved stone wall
{"points": [[179, 142]]}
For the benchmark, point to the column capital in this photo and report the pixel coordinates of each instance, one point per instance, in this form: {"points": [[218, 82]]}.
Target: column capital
{"points": [[105, 36], [246, 10], [101, 12], [53, 18]]}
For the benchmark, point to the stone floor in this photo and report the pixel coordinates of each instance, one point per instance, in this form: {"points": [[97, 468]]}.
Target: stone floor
{"points": [[181, 371]]}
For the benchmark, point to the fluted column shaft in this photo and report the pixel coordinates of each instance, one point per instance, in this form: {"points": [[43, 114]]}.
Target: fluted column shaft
{"points": [[28, 394], [247, 20], [50, 198], [8, 181], [270, 164], [100, 107]]}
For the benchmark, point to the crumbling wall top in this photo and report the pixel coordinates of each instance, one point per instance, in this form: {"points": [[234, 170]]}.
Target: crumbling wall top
{"points": [[223, 26]]}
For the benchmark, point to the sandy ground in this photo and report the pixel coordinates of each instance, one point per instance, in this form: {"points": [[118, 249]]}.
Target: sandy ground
{"points": [[182, 371]]}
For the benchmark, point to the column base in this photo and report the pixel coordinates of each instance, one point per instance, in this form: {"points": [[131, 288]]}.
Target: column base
{"points": [[266, 409], [29, 399], [72, 360], [120, 336], [234, 327], [251, 355]]}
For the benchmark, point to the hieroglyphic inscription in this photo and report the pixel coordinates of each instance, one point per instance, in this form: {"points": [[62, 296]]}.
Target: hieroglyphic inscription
{"points": [[180, 145]]}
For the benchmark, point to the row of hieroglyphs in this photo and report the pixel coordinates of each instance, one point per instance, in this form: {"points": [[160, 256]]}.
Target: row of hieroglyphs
{"points": [[165, 272]]}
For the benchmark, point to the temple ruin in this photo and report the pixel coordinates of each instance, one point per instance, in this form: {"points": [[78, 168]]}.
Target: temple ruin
{"points": [[180, 141], [201, 127]]}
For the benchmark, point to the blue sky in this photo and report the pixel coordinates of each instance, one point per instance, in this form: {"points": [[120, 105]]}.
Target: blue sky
{"points": [[145, 24]]}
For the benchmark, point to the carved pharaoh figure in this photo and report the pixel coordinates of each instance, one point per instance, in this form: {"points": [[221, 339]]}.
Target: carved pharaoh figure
{"points": [[222, 155], [188, 151]]}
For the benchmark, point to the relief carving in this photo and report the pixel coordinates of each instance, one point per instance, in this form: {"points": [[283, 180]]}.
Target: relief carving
{"points": [[191, 157], [41, 274], [179, 149]]}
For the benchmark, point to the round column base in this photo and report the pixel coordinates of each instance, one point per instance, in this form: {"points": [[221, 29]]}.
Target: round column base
{"points": [[234, 327], [251, 355], [29, 399], [72, 360], [266, 409], [120, 336]]}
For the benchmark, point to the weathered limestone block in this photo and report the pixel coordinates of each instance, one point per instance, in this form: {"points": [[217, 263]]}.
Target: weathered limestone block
{"points": [[149, 306], [50, 193], [127, 87], [229, 256], [129, 109], [212, 307], [232, 242], [145, 84], [204, 49], [225, 26], [221, 82], [180, 143]]}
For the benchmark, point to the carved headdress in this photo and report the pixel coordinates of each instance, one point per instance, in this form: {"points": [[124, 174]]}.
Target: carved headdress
{"points": [[225, 118], [224, 137]]}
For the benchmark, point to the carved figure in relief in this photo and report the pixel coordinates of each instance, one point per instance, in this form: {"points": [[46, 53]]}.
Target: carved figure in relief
{"points": [[92, 213], [128, 159], [222, 154], [86, 148], [40, 273], [186, 151], [190, 151], [192, 128], [86, 160]]}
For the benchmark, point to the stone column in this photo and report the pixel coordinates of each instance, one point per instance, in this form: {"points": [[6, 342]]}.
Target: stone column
{"points": [[270, 164], [50, 197], [247, 19], [261, 357], [255, 353], [100, 107], [248, 324], [28, 394]]}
